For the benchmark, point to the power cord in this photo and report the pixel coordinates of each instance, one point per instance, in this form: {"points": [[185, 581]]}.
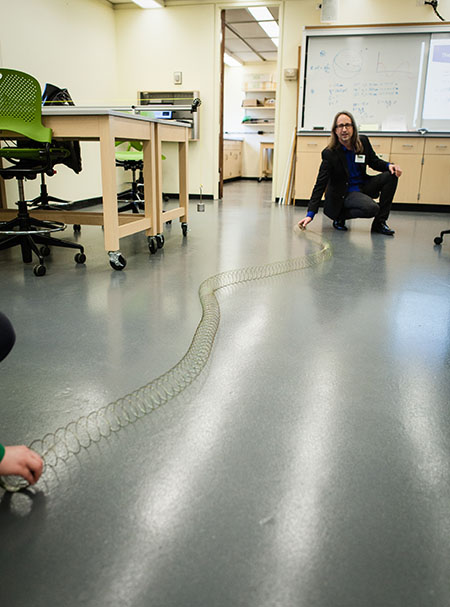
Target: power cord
{"points": [[434, 4]]}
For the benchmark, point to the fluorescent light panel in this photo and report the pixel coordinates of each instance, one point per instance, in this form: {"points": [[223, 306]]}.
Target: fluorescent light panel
{"points": [[149, 3], [265, 20], [231, 61], [260, 13]]}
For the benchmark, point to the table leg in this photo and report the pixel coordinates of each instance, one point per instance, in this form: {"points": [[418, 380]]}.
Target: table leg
{"points": [[109, 187], [152, 164], [158, 182], [183, 176]]}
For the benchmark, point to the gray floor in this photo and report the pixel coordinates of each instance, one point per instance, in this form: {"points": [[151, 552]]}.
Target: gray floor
{"points": [[308, 465]]}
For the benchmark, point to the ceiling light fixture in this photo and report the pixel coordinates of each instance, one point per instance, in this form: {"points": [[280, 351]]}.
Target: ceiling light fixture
{"points": [[265, 20], [231, 61], [150, 3], [260, 13]]}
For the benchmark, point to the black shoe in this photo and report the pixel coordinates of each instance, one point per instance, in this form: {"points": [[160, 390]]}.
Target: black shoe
{"points": [[382, 228], [339, 224]]}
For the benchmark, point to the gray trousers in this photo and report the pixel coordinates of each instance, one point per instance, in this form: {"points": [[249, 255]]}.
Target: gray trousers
{"points": [[361, 204]]}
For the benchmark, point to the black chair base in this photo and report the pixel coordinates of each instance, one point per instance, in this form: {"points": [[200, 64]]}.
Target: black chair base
{"points": [[43, 200], [132, 198], [32, 232], [439, 239], [133, 202]]}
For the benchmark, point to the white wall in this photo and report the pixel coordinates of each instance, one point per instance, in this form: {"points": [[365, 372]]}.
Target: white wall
{"points": [[70, 44], [151, 45]]}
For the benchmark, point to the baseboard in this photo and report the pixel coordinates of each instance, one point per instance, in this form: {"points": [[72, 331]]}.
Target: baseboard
{"points": [[247, 179], [85, 203]]}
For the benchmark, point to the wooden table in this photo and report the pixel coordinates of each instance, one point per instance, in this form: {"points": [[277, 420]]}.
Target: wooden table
{"points": [[106, 125]]}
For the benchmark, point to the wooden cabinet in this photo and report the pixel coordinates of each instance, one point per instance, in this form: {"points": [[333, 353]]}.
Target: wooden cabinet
{"points": [[408, 154], [232, 159], [309, 150], [382, 148], [435, 184], [425, 162]]}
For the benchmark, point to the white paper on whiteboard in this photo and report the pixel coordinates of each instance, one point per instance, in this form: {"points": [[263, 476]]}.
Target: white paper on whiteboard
{"points": [[436, 104]]}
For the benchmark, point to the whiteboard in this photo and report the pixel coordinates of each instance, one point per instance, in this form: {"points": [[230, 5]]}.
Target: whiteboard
{"points": [[378, 78]]}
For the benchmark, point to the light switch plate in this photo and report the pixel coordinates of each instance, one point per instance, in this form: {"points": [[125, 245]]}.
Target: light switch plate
{"points": [[177, 77]]}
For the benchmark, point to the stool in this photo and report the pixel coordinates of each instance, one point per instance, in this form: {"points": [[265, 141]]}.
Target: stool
{"points": [[266, 150]]}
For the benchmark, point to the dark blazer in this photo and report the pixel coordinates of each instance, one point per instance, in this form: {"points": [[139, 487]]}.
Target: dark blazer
{"points": [[333, 177]]}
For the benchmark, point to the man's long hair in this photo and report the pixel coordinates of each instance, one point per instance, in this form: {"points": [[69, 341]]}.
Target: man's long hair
{"points": [[355, 141]]}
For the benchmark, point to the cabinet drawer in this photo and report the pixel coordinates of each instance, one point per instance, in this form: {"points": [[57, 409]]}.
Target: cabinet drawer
{"points": [[437, 146], [407, 145], [232, 145], [381, 145], [311, 144]]}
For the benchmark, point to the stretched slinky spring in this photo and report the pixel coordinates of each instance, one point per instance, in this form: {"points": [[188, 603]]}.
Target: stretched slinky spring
{"points": [[79, 434]]}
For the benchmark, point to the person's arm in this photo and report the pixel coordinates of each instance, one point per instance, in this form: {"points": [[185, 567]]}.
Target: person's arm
{"points": [[21, 461], [317, 193], [375, 162], [395, 169]]}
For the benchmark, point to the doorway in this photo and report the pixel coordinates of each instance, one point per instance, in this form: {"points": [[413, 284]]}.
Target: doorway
{"points": [[248, 93]]}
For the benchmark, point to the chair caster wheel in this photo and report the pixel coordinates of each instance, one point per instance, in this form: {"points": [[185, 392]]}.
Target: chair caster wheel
{"points": [[76, 227], [80, 257], [438, 240], [45, 251], [39, 270]]}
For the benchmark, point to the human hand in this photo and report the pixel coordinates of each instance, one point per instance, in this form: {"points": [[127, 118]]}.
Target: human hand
{"points": [[22, 461], [304, 222], [395, 170]]}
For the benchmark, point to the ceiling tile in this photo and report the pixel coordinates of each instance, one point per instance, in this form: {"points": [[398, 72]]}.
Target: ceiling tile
{"points": [[249, 30], [270, 56], [263, 44]]}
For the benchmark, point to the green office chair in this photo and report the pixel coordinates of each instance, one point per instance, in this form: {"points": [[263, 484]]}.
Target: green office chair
{"points": [[20, 113]]}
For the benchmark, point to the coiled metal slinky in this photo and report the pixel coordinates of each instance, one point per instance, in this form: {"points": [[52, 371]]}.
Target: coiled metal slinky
{"points": [[79, 434]]}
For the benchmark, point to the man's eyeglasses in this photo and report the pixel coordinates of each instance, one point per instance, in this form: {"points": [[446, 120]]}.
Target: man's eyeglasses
{"points": [[347, 125]]}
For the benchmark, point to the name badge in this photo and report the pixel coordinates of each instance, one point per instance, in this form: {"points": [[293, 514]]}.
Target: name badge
{"points": [[360, 158]]}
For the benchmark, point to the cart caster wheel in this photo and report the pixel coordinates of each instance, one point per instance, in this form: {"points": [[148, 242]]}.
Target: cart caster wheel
{"points": [[39, 270], [166, 198], [438, 240], [152, 244], [76, 227], [159, 240], [184, 228], [45, 251], [117, 261], [80, 257], [259, 179]]}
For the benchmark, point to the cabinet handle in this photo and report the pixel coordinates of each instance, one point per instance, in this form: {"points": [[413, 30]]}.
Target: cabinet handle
{"points": [[442, 147], [313, 145], [407, 145]]}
